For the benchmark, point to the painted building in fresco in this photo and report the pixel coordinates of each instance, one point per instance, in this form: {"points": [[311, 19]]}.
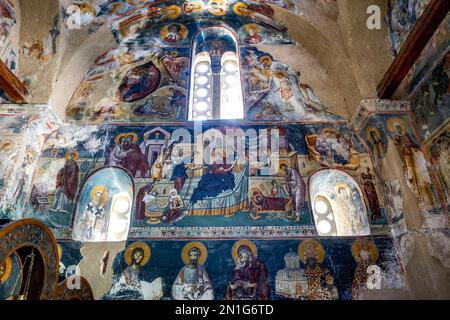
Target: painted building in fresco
{"points": [[252, 190]]}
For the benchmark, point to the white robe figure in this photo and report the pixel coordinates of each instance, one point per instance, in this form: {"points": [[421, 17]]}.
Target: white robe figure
{"points": [[117, 155], [192, 283], [129, 282]]}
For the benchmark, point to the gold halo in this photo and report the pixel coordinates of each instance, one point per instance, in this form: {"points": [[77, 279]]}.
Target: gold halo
{"points": [[8, 270], [307, 246], [360, 244], [173, 15], [104, 192], [189, 246], [340, 185], [119, 136], [238, 6], [136, 245], [280, 74], [219, 3], [183, 31], [134, 135], [86, 7], [126, 135], [252, 26], [59, 251], [199, 6], [377, 133], [393, 121], [263, 59], [76, 155], [9, 143], [240, 243]]}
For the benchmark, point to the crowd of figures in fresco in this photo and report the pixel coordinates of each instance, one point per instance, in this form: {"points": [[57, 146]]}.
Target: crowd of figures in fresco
{"points": [[180, 177], [149, 84], [290, 170], [252, 270]]}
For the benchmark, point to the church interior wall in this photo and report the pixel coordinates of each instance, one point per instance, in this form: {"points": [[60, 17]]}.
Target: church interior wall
{"points": [[396, 152]]}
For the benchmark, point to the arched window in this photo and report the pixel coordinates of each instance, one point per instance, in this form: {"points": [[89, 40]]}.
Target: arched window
{"points": [[338, 204], [104, 206], [215, 89]]}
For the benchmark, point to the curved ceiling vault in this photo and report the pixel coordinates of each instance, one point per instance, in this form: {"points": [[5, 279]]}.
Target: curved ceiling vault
{"points": [[334, 55]]}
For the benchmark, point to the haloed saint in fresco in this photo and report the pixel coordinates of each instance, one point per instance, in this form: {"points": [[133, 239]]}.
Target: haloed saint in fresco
{"points": [[128, 155], [66, 183], [371, 194], [296, 187], [129, 285], [413, 161], [93, 224], [365, 254], [250, 276], [193, 282], [320, 280]]}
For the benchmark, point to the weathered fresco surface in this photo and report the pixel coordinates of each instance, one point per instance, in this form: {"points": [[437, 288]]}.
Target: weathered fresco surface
{"points": [[8, 20], [402, 15], [304, 269], [139, 82], [394, 133], [22, 136], [189, 181], [208, 209], [10, 276], [430, 103]]}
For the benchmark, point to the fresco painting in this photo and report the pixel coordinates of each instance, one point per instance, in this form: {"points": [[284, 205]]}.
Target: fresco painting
{"points": [[338, 204], [305, 269], [8, 52], [402, 15], [149, 84], [10, 276], [414, 163], [438, 148], [184, 178], [127, 17], [274, 92], [21, 142], [69, 258], [285, 203], [432, 55], [104, 206], [394, 132], [431, 99], [141, 85]]}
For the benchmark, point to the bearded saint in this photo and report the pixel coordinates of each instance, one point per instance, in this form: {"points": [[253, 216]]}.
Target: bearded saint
{"points": [[66, 184], [250, 278]]}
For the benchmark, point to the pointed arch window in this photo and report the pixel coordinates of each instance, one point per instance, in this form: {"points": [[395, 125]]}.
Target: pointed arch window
{"points": [[215, 90]]}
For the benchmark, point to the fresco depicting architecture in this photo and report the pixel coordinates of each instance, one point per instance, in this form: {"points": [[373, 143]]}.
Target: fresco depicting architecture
{"points": [[225, 150]]}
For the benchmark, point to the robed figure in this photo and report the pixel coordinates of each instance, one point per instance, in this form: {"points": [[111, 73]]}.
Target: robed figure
{"points": [[218, 178], [250, 277], [66, 183], [296, 187], [371, 195], [193, 282]]}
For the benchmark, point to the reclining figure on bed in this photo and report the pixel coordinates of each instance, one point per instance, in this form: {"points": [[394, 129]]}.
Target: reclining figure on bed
{"points": [[277, 202], [217, 179]]}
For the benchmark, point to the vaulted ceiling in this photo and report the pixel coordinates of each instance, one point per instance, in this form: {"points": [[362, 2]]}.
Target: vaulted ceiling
{"points": [[335, 53]]}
